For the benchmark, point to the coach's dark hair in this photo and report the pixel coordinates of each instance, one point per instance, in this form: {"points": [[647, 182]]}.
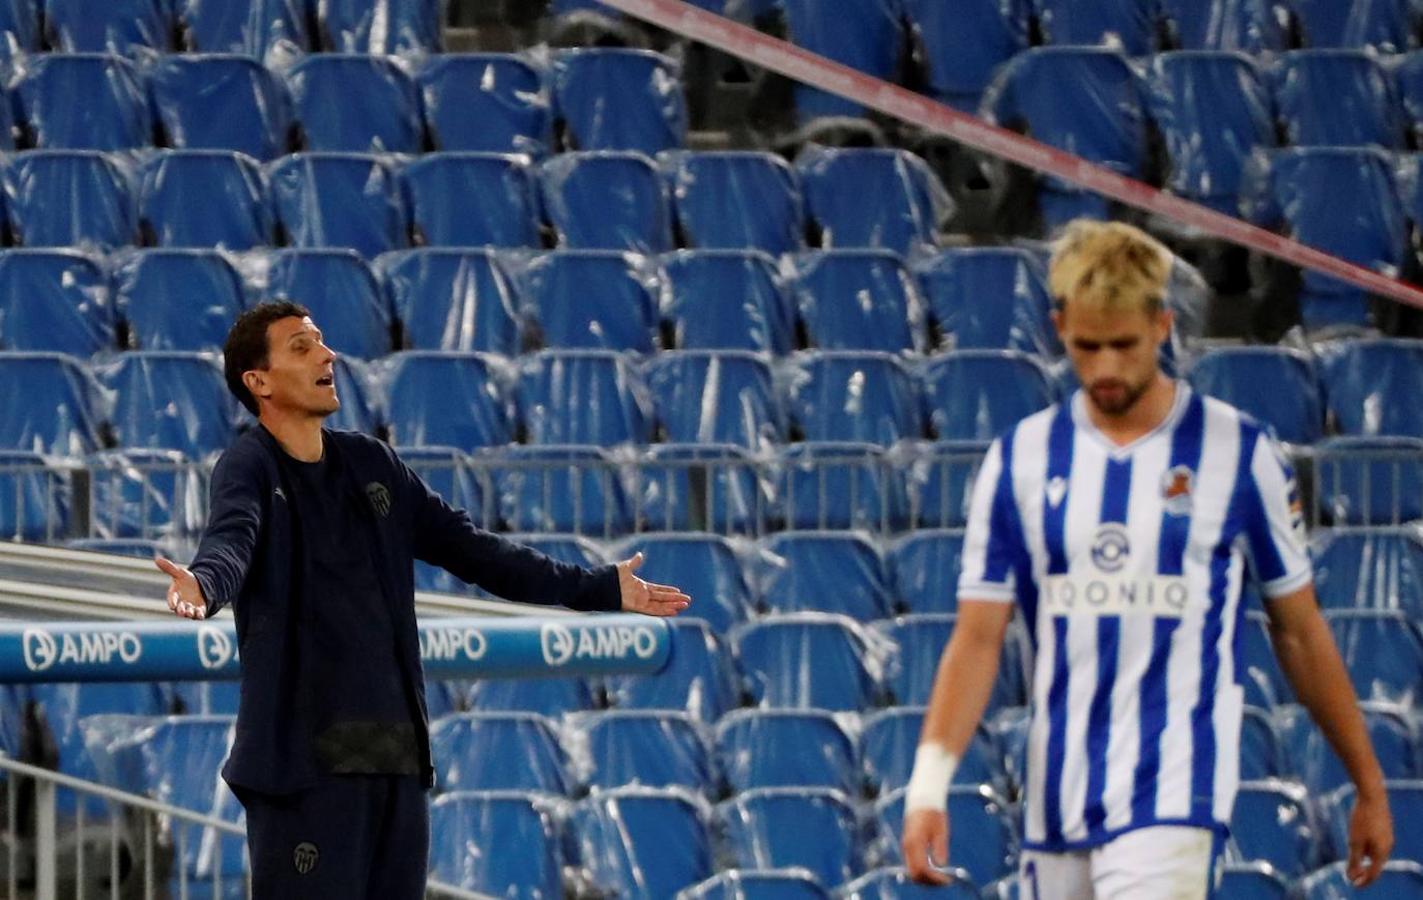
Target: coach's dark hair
{"points": [[246, 345]]}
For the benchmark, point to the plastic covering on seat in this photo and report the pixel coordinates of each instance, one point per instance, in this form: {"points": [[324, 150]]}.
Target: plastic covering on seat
{"points": [[138, 493], [607, 200], [449, 299], [871, 197], [464, 820], [1384, 26], [471, 200], [19, 28], [981, 841], [60, 198], [1392, 733], [643, 842], [360, 400], [1260, 674], [1384, 653], [446, 399], [36, 498], [1362, 109], [813, 828], [117, 26], [1374, 569], [737, 200], [1252, 881], [221, 102], [356, 104], [561, 487], [272, 31], [486, 102], [725, 300], [1369, 481], [924, 569], [1272, 822], [764, 884], [378, 26], [893, 883], [169, 401], [54, 300], [841, 484], [1400, 878], [1276, 385], [342, 293], [113, 116], [1128, 24], [988, 298], [1261, 755], [918, 640], [582, 397], [1214, 111], [55, 413], [888, 741], [591, 300], [809, 661], [715, 397], [976, 395], [614, 748], [338, 200], [61, 708], [705, 567], [1373, 386], [761, 748], [699, 678], [472, 752], [1408, 80], [834, 572], [962, 44], [865, 35], [859, 300], [551, 697], [175, 299], [940, 482], [619, 99], [204, 198], [1247, 25], [701, 487]]}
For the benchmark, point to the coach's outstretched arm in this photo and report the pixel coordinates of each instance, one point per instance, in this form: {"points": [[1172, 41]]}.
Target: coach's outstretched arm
{"points": [[962, 686], [1315, 670], [228, 542]]}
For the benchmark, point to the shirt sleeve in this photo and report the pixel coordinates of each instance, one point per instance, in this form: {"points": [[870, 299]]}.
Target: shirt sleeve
{"points": [[1275, 535], [992, 539], [229, 541]]}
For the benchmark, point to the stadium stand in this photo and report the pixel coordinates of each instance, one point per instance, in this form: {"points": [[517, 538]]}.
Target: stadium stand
{"points": [[268, 30], [607, 200], [859, 300], [204, 198], [808, 571], [356, 103], [470, 748], [338, 200], [448, 298], [122, 27], [590, 300], [115, 116], [54, 300], [619, 99], [175, 299], [339, 288], [486, 102], [471, 200], [652, 748], [724, 300], [736, 200], [1364, 110], [765, 748], [706, 567], [462, 819]]}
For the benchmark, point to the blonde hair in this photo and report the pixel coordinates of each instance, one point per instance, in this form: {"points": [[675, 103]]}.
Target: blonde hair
{"points": [[1109, 265]]}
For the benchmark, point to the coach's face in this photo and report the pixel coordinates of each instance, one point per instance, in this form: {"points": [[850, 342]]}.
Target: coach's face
{"points": [[1114, 352], [300, 375]]}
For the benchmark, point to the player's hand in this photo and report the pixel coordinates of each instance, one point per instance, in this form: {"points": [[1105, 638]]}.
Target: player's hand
{"points": [[926, 832], [645, 597], [1370, 838], [185, 595]]}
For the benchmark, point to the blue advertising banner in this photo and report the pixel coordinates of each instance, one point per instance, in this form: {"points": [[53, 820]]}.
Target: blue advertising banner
{"points": [[450, 648]]}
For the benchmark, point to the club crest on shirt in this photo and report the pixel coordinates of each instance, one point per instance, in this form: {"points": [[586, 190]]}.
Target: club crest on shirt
{"points": [[379, 496], [1176, 487]]}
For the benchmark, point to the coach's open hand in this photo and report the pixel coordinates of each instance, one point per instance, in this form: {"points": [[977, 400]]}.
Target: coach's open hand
{"points": [[185, 596], [644, 596]]}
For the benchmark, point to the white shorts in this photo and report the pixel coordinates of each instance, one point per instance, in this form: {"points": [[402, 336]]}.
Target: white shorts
{"points": [[1163, 862]]}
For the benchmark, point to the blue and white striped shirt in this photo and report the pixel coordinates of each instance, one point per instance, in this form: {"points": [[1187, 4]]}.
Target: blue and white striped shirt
{"points": [[1127, 563]]}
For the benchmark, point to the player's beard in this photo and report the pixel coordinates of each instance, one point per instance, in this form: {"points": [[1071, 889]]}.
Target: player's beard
{"points": [[1118, 402]]}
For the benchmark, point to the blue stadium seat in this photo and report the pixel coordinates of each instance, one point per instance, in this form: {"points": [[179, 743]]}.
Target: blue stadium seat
{"points": [[1084, 100], [859, 300], [1246, 25], [385, 26], [963, 44], [114, 115], [36, 498], [1259, 669], [705, 567], [221, 102], [61, 198], [1379, 568], [865, 35], [447, 400], [560, 487], [871, 197], [350, 103], [56, 300], [1384, 652], [836, 572], [204, 198], [551, 697], [1214, 111], [466, 819], [139, 493], [338, 200], [976, 395], [1129, 24], [444, 470], [617, 99], [176, 299], [761, 748], [56, 413], [1252, 881], [701, 487], [1369, 383], [1392, 732], [1403, 799], [472, 753], [840, 484], [170, 401], [1408, 79], [778, 654], [471, 200], [699, 679], [1363, 107], [1401, 878], [940, 486], [590, 300], [1272, 822], [123, 26], [653, 748], [450, 299], [919, 640], [846, 396], [342, 293], [736, 200], [780, 827], [1369, 481], [893, 883], [988, 298], [19, 28], [272, 31], [924, 570], [643, 842], [487, 103], [1261, 755], [888, 740], [1276, 385], [724, 396], [764, 884], [61, 708], [582, 397], [1384, 26], [607, 200], [725, 300], [981, 841]]}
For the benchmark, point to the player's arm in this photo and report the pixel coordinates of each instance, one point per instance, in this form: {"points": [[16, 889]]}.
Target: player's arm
{"points": [[228, 543], [1311, 661]]}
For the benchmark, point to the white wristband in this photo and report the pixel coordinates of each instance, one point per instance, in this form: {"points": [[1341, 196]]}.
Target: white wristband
{"points": [[933, 773]]}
